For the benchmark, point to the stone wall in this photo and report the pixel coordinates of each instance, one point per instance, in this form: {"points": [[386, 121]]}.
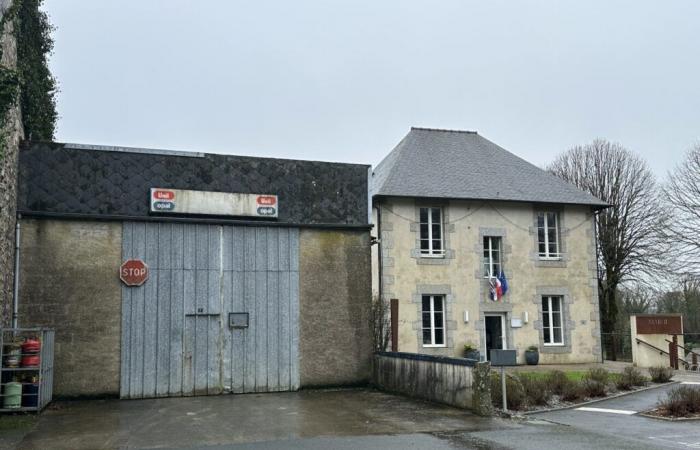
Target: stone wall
{"points": [[335, 343], [460, 277], [452, 381], [68, 283], [12, 130]]}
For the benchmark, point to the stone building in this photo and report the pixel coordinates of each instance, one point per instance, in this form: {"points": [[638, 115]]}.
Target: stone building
{"points": [[452, 211], [258, 270]]}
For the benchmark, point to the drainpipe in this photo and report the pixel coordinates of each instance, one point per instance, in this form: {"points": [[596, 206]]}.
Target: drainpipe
{"points": [[15, 295]]}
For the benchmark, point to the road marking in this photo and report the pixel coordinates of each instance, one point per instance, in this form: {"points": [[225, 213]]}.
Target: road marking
{"points": [[611, 411], [673, 439], [690, 382]]}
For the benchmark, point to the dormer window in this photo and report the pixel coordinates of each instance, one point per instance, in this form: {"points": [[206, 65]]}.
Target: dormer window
{"points": [[431, 235], [548, 235]]}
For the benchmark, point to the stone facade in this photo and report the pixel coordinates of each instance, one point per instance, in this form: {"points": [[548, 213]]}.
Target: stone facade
{"points": [[13, 133], [335, 342], [461, 280], [68, 283]]}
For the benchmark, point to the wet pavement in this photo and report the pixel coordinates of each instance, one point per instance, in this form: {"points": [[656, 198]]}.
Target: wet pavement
{"points": [[619, 417], [199, 422], [321, 419]]}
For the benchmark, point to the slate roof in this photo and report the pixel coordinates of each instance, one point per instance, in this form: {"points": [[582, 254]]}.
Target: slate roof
{"points": [[453, 164], [113, 182]]}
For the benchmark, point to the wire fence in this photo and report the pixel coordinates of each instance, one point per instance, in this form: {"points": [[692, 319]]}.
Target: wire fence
{"points": [[617, 346]]}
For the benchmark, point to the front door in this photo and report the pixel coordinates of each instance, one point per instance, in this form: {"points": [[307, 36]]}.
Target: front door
{"points": [[495, 334]]}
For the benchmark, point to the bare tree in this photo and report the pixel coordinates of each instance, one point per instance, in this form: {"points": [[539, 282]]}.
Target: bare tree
{"points": [[630, 246], [379, 322], [683, 195]]}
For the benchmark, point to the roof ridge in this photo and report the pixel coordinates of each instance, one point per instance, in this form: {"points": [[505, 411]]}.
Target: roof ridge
{"points": [[444, 130]]}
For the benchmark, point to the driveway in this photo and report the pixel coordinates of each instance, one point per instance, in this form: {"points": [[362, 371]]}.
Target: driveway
{"points": [[222, 421], [315, 419]]}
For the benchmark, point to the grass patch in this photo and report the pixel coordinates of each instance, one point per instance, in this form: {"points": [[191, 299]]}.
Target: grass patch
{"points": [[573, 375]]}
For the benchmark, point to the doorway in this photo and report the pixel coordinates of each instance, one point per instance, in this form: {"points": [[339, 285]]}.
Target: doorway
{"points": [[495, 331]]}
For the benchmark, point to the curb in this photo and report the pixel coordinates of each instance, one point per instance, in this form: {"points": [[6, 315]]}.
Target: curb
{"points": [[668, 419], [598, 400]]}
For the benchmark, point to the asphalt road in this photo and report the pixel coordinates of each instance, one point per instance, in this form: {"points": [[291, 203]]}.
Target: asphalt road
{"points": [[630, 427]]}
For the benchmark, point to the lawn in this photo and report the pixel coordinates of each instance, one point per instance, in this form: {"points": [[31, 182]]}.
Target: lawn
{"points": [[573, 375]]}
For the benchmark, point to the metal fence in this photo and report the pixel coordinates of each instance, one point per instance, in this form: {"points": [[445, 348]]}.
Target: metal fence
{"points": [[617, 346]]}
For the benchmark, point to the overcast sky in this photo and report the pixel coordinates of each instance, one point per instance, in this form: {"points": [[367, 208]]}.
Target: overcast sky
{"points": [[345, 80]]}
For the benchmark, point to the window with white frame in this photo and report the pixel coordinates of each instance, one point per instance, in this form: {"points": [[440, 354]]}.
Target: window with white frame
{"points": [[492, 256], [548, 235], [552, 328], [431, 242], [433, 320]]}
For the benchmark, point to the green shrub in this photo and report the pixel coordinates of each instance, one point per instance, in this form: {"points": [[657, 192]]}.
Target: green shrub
{"points": [[599, 375], [593, 388], [681, 401], [557, 382], [661, 374], [629, 378], [572, 391], [536, 389], [515, 392]]}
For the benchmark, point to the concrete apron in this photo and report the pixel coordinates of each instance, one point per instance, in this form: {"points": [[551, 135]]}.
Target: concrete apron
{"points": [[235, 419]]}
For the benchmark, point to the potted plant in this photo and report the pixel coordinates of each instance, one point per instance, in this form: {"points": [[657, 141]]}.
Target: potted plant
{"points": [[532, 355], [471, 352]]}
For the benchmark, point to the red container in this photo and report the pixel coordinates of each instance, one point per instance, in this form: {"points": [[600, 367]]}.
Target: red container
{"points": [[30, 361], [31, 345]]}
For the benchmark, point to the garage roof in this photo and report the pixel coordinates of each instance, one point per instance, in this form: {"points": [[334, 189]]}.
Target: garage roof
{"points": [[114, 182], [456, 164]]}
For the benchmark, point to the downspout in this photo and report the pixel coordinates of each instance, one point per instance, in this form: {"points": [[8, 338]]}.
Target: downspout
{"points": [[379, 252], [15, 295]]}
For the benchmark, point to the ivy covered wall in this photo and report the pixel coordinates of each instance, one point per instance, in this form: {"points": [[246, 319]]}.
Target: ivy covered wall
{"points": [[27, 108]]}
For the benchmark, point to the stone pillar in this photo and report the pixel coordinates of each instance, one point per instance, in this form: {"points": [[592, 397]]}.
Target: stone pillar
{"points": [[481, 389]]}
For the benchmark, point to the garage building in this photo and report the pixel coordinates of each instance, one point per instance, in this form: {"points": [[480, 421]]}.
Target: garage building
{"points": [[240, 296]]}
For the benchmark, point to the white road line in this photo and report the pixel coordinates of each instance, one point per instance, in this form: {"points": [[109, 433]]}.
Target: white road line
{"points": [[690, 382], [611, 411]]}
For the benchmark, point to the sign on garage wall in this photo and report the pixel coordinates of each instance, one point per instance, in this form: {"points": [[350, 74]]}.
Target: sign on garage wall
{"points": [[133, 272], [181, 201]]}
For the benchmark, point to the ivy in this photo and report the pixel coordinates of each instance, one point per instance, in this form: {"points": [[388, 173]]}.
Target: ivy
{"points": [[31, 84], [9, 79], [38, 87], [9, 90]]}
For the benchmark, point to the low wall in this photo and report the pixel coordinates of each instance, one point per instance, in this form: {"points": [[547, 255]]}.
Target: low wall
{"points": [[453, 381]]}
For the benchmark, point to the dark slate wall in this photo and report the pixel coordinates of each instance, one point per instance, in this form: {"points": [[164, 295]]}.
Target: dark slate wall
{"points": [[57, 179]]}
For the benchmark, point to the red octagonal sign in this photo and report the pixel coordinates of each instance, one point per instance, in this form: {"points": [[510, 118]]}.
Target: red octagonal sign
{"points": [[133, 272]]}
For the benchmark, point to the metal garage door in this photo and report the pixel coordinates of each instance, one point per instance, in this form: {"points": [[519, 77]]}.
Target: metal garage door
{"points": [[176, 338]]}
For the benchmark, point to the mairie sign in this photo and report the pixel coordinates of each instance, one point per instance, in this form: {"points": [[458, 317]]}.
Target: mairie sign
{"points": [[181, 201]]}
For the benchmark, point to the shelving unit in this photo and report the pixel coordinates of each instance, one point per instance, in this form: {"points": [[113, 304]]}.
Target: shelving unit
{"points": [[43, 372]]}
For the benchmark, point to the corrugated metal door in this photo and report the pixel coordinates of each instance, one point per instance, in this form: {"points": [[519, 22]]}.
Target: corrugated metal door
{"points": [[175, 334]]}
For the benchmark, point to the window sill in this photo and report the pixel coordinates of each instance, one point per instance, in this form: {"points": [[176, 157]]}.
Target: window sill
{"points": [[441, 255], [550, 258], [434, 346], [553, 345]]}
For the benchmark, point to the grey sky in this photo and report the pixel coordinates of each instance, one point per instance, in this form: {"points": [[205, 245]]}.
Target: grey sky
{"points": [[345, 80]]}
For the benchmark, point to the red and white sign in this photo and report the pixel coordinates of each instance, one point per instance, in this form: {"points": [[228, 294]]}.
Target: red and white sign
{"points": [[182, 201], [133, 272]]}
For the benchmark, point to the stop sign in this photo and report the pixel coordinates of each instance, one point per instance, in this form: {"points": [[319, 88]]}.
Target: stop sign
{"points": [[133, 272]]}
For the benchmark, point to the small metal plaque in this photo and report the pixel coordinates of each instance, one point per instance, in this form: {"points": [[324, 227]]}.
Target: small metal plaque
{"points": [[516, 322], [503, 358], [238, 320]]}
